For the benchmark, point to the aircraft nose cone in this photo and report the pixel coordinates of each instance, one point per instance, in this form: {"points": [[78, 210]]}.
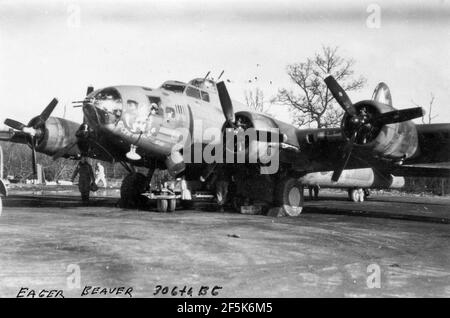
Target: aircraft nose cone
{"points": [[98, 115], [105, 112]]}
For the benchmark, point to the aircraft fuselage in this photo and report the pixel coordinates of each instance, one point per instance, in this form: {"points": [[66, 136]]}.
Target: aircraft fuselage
{"points": [[155, 119]]}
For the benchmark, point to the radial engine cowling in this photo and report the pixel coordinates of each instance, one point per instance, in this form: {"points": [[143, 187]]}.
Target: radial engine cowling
{"points": [[252, 139], [58, 133], [395, 141]]}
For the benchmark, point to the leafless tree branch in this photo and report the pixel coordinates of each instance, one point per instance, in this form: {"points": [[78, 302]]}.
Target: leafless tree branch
{"points": [[313, 103]]}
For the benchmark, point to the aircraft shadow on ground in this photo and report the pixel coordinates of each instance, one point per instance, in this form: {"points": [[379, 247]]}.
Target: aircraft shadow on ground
{"points": [[352, 210], [378, 199], [55, 202], [374, 214]]}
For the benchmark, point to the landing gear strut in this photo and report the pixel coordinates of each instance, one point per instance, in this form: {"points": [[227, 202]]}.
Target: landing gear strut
{"points": [[3, 192]]}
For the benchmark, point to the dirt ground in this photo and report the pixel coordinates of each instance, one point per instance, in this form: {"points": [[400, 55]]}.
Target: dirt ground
{"points": [[389, 246]]}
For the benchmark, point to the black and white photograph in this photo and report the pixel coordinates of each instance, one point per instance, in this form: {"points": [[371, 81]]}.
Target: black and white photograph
{"points": [[205, 150]]}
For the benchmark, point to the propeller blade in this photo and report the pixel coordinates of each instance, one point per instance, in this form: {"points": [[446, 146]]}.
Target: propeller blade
{"points": [[337, 174], [48, 110], [63, 151], [399, 115], [14, 124], [347, 153], [33, 158], [89, 90], [340, 95], [225, 102]]}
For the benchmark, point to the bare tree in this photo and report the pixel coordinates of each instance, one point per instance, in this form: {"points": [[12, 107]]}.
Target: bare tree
{"points": [[55, 170], [430, 117], [17, 162], [255, 100], [314, 105], [439, 186]]}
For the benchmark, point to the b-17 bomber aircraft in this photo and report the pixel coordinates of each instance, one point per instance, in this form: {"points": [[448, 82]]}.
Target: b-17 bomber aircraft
{"points": [[172, 127]]}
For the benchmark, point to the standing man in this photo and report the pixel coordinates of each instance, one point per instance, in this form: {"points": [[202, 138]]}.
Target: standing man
{"points": [[84, 169], [100, 174], [315, 189]]}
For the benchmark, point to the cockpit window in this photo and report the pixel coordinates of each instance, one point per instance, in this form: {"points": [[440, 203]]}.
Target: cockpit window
{"points": [[174, 88], [205, 96], [205, 84], [193, 92]]}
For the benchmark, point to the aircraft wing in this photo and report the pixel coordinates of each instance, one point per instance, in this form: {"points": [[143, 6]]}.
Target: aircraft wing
{"points": [[322, 149], [11, 135], [431, 170], [434, 144]]}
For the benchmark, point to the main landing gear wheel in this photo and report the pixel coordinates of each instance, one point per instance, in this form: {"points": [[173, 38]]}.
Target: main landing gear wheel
{"points": [[172, 205], [133, 185], [162, 205], [356, 195], [166, 205], [289, 196]]}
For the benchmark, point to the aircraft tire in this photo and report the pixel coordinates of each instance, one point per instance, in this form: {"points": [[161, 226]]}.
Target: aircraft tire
{"points": [[172, 205], [130, 191], [289, 196], [356, 195], [162, 205], [353, 195]]}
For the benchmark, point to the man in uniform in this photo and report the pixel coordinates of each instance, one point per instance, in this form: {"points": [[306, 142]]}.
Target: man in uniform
{"points": [[84, 169], [315, 189]]}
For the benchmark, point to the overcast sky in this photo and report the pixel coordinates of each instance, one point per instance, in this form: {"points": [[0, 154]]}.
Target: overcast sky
{"points": [[57, 48]]}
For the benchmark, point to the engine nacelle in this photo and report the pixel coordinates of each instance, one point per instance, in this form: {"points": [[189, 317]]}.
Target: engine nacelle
{"points": [[395, 142], [254, 139], [58, 133]]}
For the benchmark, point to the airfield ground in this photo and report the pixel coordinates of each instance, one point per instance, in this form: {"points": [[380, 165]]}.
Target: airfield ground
{"points": [[333, 249]]}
